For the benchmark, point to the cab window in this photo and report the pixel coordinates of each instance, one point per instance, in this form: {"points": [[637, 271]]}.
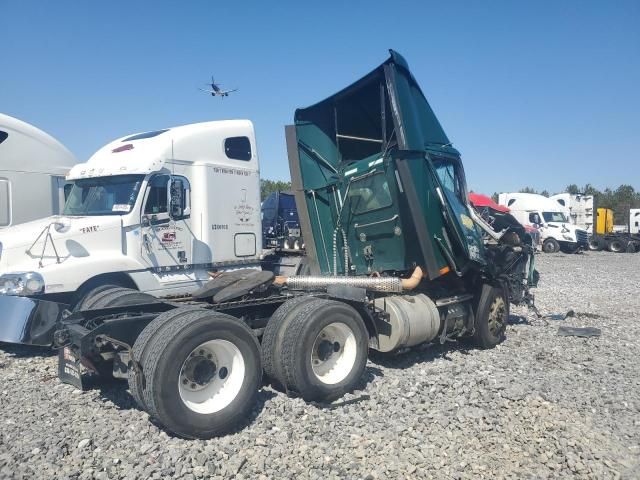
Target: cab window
{"points": [[371, 192], [157, 197], [238, 148]]}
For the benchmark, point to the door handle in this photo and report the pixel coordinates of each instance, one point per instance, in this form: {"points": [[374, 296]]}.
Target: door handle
{"points": [[364, 225]]}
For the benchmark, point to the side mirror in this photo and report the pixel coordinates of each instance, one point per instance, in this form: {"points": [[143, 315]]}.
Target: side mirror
{"points": [[144, 221], [176, 198]]}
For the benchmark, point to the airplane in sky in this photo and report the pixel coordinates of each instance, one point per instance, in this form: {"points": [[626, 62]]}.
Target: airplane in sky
{"points": [[216, 91]]}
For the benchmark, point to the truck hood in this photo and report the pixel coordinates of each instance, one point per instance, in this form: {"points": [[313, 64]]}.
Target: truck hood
{"points": [[73, 238]]}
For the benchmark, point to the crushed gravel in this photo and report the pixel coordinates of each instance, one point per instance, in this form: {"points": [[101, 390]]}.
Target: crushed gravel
{"points": [[537, 406]]}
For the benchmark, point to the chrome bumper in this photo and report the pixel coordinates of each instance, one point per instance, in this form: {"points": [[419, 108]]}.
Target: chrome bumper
{"points": [[27, 320]]}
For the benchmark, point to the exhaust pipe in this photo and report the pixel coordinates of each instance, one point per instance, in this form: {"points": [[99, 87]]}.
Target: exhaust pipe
{"points": [[376, 284]]}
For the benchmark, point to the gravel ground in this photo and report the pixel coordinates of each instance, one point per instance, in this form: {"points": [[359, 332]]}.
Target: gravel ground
{"points": [[537, 406]]}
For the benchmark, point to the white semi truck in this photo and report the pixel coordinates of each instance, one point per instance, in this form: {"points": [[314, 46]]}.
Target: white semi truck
{"points": [[578, 208], [154, 211], [33, 166], [555, 227]]}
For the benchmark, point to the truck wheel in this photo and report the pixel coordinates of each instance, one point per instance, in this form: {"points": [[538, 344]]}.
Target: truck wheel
{"points": [[202, 374], [616, 245], [631, 247], [324, 350], [596, 244], [273, 333], [550, 245], [122, 297], [135, 376], [87, 299], [492, 313]]}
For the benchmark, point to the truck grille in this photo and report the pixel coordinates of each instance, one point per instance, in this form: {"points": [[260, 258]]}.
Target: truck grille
{"points": [[582, 237]]}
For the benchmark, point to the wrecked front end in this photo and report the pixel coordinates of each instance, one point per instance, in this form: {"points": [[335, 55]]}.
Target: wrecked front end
{"points": [[380, 191]]}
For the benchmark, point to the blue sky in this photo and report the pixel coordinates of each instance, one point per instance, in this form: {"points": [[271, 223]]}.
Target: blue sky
{"points": [[541, 93]]}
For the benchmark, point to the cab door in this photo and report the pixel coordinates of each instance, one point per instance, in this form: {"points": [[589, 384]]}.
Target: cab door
{"points": [[166, 237], [373, 223]]}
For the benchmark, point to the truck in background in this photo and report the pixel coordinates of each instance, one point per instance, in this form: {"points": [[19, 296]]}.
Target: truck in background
{"points": [[33, 166], [634, 221], [578, 208], [280, 222], [557, 232], [606, 236]]}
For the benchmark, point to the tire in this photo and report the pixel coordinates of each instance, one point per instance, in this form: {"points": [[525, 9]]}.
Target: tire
{"points": [[307, 355], [631, 247], [122, 297], [616, 245], [136, 378], [187, 391], [272, 337], [596, 244], [491, 314], [87, 299], [550, 245], [569, 249]]}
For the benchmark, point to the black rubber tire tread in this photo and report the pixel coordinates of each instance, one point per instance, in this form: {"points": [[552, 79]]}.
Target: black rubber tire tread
{"points": [[482, 337], [91, 301], [293, 340], [124, 297], [616, 246], [136, 383], [551, 241], [84, 299], [157, 347], [270, 334]]}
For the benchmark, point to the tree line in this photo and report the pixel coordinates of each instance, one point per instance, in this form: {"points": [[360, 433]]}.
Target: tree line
{"points": [[620, 200], [267, 187]]}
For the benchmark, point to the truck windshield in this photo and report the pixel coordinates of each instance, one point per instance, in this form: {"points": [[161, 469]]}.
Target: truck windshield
{"points": [[103, 195], [555, 217]]}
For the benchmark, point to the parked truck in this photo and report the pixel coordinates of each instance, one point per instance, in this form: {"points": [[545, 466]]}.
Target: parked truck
{"points": [[578, 208], [33, 166], [397, 257], [556, 230], [280, 222], [605, 236]]}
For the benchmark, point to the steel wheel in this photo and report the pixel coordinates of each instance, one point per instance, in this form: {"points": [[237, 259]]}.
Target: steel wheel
{"points": [[334, 353], [211, 377]]}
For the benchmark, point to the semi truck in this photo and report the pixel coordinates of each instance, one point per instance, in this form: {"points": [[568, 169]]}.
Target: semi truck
{"points": [[578, 208], [397, 257], [605, 236], [556, 230], [33, 166], [280, 222]]}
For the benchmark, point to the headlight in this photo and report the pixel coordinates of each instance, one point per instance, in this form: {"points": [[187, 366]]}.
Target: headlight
{"points": [[568, 237], [21, 283]]}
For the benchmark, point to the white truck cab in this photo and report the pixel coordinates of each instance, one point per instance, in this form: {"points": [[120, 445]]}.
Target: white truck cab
{"points": [[155, 211], [33, 166], [557, 232]]}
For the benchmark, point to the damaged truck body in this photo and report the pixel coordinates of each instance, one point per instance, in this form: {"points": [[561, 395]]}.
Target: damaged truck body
{"points": [[396, 257]]}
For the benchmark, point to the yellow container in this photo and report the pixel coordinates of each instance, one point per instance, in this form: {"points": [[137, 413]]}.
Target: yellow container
{"points": [[604, 222]]}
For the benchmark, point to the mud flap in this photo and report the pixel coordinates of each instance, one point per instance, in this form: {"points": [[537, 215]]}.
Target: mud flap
{"points": [[69, 368]]}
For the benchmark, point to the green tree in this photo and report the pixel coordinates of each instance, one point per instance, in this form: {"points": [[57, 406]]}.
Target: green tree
{"points": [[267, 187]]}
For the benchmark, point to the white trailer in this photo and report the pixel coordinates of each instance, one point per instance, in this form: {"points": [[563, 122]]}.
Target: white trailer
{"points": [[33, 166], [154, 211], [556, 230], [579, 209]]}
